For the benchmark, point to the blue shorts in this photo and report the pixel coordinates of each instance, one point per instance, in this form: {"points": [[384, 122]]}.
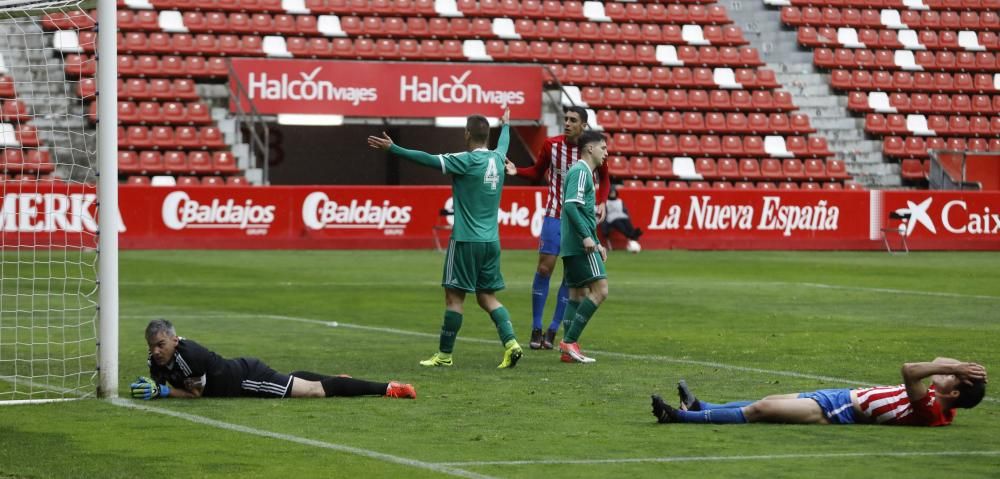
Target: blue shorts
{"points": [[835, 403], [549, 242]]}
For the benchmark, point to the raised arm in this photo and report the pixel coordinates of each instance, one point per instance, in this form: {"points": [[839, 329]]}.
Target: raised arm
{"points": [[537, 170], [503, 143], [915, 373], [385, 143], [417, 156]]}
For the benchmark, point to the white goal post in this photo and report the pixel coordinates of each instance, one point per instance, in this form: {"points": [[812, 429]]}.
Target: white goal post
{"points": [[59, 218]]}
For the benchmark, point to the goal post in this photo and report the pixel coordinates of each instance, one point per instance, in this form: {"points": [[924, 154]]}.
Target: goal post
{"points": [[107, 190], [59, 218]]}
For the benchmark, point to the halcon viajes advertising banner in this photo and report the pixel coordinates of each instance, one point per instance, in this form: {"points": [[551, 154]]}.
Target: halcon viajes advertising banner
{"points": [[385, 217], [385, 89]]}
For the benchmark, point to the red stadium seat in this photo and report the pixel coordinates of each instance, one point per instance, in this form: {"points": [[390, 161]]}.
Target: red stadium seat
{"points": [[151, 162], [912, 169], [200, 162], [639, 167], [224, 162], [750, 169], [771, 168], [792, 169], [662, 167], [706, 167], [175, 162], [618, 166], [128, 161], [728, 169], [645, 143]]}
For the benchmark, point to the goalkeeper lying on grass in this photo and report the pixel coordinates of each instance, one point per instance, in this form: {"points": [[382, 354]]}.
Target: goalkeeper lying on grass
{"points": [[182, 368], [954, 385]]}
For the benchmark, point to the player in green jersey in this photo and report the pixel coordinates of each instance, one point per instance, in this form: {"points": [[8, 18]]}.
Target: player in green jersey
{"points": [[582, 253], [472, 264]]}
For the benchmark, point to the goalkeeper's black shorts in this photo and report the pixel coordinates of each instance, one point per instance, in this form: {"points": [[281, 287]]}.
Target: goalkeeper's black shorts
{"points": [[263, 382]]}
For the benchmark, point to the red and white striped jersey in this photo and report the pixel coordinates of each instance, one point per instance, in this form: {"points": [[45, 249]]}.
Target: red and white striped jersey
{"points": [[890, 405], [554, 160]]}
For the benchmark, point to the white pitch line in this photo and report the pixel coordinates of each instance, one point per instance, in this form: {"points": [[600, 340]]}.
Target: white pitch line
{"points": [[766, 457], [596, 352], [439, 468], [512, 284], [893, 291]]}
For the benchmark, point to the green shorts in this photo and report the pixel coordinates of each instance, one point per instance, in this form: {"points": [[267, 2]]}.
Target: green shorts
{"points": [[473, 267], [581, 270]]}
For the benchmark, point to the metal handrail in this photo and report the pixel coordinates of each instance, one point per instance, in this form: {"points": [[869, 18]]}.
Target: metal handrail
{"points": [[254, 124], [939, 177]]}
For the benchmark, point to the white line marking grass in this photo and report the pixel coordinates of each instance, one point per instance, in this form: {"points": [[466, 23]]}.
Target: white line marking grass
{"points": [[511, 284], [766, 457], [439, 468]]}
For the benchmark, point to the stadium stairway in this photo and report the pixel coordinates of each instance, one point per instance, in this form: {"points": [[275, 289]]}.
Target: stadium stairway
{"points": [[920, 75], [811, 92], [47, 118]]}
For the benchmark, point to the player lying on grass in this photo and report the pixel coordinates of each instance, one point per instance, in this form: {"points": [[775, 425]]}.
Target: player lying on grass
{"points": [[182, 368], [954, 384]]}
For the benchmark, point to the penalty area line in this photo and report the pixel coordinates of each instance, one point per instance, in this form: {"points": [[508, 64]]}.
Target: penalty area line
{"points": [[763, 457], [438, 468]]}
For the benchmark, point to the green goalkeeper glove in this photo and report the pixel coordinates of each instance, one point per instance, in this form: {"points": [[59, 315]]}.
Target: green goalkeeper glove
{"points": [[145, 388]]}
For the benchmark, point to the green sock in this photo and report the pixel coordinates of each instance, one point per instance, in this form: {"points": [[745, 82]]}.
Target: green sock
{"points": [[583, 314], [501, 318], [449, 330], [568, 315]]}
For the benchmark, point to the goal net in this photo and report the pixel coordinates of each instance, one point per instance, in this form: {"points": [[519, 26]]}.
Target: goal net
{"points": [[49, 239]]}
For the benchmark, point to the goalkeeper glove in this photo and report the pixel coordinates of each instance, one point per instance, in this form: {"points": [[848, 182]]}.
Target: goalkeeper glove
{"points": [[145, 388]]}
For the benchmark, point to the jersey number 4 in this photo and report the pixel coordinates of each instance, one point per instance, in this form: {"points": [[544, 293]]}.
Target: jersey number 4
{"points": [[492, 175]]}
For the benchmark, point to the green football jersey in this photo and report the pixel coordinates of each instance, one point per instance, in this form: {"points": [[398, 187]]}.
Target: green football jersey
{"points": [[476, 184], [578, 187]]}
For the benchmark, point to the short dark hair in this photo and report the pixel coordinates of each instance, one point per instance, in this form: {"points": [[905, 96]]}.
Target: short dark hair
{"points": [[579, 110], [588, 137], [969, 395], [478, 127], [158, 326]]}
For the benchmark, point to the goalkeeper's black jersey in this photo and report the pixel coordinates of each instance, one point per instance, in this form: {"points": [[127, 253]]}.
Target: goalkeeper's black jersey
{"points": [[219, 376]]}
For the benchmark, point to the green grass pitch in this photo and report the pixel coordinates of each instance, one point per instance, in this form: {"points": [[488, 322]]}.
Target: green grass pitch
{"points": [[736, 325]]}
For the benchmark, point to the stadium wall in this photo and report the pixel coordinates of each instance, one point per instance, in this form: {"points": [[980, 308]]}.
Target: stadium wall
{"points": [[409, 217], [310, 155]]}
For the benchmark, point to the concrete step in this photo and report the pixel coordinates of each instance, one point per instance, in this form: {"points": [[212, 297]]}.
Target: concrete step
{"points": [[882, 169], [877, 182], [832, 122], [72, 120], [861, 156], [212, 91], [820, 102], [803, 79], [861, 145], [814, 90]]}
